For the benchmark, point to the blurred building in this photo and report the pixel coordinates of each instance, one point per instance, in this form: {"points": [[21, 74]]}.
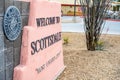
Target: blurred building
{"points": [[70, 7], [115, 5]]}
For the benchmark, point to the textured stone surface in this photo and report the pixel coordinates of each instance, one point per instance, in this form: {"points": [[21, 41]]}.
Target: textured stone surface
{"points": [[17, 42], [9, 72], [2, 75], [10, 50], [17, 56], [8, 3], [18, 4], [1, 53], [1, 61], [25, 8], [7, 43], [1, 7], [9, 56], [1, 25], [1, 43], [24, 21]]}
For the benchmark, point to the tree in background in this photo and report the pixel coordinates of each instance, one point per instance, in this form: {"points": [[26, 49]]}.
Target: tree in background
{"points": [[94, 12]]}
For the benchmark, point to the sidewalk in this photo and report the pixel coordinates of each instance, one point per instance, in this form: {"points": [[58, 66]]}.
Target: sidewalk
{"points": [[69, 25]]}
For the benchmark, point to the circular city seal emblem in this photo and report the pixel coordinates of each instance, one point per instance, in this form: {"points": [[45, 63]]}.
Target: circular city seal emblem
{"points": [[12, 23]]}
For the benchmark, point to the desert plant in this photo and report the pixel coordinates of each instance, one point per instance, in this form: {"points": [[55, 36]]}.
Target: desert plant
{"points": [[66, 40], [94, 12], [100, 45]]}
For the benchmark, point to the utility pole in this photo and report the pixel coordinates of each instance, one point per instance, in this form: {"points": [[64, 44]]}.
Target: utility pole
{"points": [[74, 7]]}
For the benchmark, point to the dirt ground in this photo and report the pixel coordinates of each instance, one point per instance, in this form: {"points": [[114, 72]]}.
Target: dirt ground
{"points": [[91, 65]]}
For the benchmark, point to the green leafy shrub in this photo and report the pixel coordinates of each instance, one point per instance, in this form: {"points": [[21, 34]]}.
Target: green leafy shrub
{"points": [[66, 40], [100, 45]]}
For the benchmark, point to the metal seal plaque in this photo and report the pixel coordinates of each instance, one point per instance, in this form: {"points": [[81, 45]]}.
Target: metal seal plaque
{"points": [[12, 23]]}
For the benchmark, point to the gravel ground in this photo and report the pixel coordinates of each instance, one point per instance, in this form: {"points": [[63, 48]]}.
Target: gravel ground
{"points": [[91, 65]]}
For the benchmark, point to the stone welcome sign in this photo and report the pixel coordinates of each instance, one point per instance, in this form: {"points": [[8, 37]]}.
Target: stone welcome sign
{"points": [[41, 50]]}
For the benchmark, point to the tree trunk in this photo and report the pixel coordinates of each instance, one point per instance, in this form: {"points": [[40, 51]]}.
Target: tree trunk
{"points": [[90, 42]]}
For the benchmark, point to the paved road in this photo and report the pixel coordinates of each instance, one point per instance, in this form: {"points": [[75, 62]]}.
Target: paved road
{"points": [[68, 25]]}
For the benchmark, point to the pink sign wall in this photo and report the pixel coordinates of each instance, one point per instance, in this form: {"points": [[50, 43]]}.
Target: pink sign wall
{"points": [[41, 50]]}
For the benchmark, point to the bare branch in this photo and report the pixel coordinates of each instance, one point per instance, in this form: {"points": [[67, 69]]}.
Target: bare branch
{"points": [[94, 12]]}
